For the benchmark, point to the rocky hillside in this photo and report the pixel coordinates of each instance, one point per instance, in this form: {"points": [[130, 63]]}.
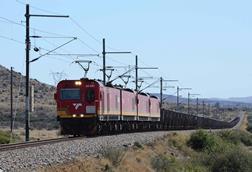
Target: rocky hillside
{"points": [[44, 115]]}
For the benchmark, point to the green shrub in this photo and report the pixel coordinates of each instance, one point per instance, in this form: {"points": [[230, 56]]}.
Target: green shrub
{"points": [[236, 160], [204, 141], [4, 137], [138, 145]]}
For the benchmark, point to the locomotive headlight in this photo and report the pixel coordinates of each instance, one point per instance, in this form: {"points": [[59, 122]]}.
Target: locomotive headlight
{"points": [[81, 115], [74, 115], [78, 83]]}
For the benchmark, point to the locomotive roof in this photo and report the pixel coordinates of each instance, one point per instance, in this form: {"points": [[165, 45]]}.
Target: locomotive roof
{"points": [[152, 96], [144, 94]]}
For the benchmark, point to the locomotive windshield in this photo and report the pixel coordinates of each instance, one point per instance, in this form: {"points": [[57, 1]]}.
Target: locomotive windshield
{"points": [[70, 94]]}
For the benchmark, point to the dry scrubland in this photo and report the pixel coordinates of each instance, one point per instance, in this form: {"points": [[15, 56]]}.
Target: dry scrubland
{"points": [[199, 152], [202, 151]]}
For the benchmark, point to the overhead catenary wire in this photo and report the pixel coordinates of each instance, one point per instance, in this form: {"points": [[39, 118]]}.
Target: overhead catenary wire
{"points": [[11, 21], [34, 28], [56, 52], [20, 42], [81, 27], [84, 30], [42, 31], [84, 43], [53, 50], [11, 39], [68, 53], [75, 22], [36, 8], [53, 44], [93, 37], [65, 36]]}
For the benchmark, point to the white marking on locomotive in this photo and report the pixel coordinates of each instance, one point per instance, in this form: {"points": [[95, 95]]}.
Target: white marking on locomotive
{"points": [[77, 105]]}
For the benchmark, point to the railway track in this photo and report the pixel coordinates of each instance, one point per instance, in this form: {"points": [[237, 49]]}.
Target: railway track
{"points": [[7, 147]]}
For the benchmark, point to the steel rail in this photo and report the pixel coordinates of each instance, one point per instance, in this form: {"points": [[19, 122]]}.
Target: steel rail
{"points": [[12, 146]]}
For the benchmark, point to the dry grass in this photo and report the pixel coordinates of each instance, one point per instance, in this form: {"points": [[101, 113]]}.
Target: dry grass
{"points": [[88, 164], [35, 134]]}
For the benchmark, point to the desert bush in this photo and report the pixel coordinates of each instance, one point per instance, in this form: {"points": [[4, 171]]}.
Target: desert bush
{"points": [[4, 137], [236, 160], [107, 168], [138, 145], [249, 128], [175, 143], [112, 154], [192, 167], [176, 140], [204, 141], [162, 163], [236, 137]]}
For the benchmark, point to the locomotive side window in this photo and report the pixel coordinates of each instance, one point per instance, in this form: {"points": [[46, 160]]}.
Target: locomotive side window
{"points": [[70, 94], [90, 95]]}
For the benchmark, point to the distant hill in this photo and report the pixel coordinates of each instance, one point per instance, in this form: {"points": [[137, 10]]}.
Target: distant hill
{"points": [[241, 99], [230, 102], [43, 97]]}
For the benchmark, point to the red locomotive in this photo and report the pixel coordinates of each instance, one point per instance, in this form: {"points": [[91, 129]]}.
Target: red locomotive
{"points": [[86, 106]]}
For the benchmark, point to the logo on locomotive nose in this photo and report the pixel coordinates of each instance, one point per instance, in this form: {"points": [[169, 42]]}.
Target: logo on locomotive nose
{"points": [[77, 105]]}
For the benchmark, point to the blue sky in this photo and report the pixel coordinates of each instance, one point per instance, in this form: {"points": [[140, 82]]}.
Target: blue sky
{"points": [[206, 45]]}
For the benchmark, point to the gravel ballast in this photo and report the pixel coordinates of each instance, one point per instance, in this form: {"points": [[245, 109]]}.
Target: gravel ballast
{"points": [[30, 159]]}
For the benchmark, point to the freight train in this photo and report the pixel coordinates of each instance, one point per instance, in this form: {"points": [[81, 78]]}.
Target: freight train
{"points": [[88, 107]]}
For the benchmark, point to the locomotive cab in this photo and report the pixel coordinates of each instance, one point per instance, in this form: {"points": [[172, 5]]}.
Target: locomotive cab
{"points": [[77, 106]]}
